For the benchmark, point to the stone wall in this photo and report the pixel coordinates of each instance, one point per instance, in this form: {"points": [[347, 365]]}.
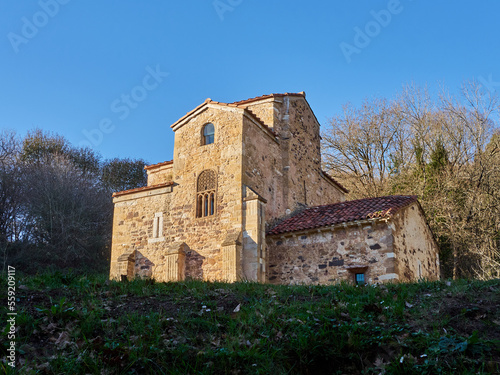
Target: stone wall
{"points": [[331, 256], [416, 250], [160, 174], [204, 236], [262, 167], [260, 178], [133, 225], [135, 213], [253, 257], [303, 150], [286, 173], [266, 111]]}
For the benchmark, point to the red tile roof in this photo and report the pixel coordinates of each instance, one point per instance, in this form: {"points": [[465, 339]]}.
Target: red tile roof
{"points": [[240, 103], [158, 164], [344, 212], [144, 188]]}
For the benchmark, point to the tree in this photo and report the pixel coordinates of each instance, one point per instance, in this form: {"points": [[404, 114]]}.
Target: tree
{"points": [[39, 146], [444, 150], [10, 190], [68, 214], [54, 209], [123, 174], [364, 147]]}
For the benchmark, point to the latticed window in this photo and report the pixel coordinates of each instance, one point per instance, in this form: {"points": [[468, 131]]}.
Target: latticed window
{"points": [[205, 193]]}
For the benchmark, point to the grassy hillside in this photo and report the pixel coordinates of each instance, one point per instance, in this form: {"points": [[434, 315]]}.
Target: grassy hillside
{"points": [[70, 324]]}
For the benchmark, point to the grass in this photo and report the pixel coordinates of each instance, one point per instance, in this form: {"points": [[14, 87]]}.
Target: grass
{"points": [[73, 324]]}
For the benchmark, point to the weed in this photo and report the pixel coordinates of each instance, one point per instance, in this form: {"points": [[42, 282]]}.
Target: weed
{"points": [[61, 310], [91, 325]]}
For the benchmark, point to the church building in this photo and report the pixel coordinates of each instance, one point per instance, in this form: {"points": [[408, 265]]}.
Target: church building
{"points": [[245, 198]]}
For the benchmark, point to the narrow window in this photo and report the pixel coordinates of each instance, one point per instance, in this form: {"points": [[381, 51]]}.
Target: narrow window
{"points": [[208, 134], [157, 232], [199, 206], [212, 203], [158, 225], [419, 269], [206, 195], [359, 279]]}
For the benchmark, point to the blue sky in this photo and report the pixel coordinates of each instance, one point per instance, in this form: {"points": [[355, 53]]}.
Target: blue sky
{"points": [[115, 74]]}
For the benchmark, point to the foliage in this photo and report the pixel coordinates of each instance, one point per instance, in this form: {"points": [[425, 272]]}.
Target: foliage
{"points": [[39, 147], [124, 174], [55, 204], [68, 213], [97, 326], [446, 151]]}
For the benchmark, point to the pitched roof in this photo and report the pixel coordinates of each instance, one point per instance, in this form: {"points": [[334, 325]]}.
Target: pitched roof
{"points": [[239, 104], [243, 108], [144, 188], [262, 97], [146, 167], [344, 212]]}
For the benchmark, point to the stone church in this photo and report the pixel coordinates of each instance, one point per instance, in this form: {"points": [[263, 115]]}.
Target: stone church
{"points": [[244, 198]]}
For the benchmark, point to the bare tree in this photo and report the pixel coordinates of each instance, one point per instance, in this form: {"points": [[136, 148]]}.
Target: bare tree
{"points": [[445, 150], [364, 146], [10, 191], [68, 214]]}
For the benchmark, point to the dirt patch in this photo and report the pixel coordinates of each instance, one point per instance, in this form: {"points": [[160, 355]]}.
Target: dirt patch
{"points": [[465, 316], [37, 303]]}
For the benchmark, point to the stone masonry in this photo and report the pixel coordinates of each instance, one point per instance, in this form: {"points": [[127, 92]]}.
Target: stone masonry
{"points": [[238, 170]]}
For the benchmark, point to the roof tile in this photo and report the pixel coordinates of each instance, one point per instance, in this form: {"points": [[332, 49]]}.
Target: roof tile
{"points": [[158, 164], [343, 212], [262, 97]]}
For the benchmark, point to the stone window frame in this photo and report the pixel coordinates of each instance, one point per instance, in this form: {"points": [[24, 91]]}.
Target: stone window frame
{"points": [[207, 139], [206, 194], [358, 269], [157, 234]]}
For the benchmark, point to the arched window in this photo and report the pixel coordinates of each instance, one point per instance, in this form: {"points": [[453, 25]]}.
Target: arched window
{"points": [[208, 133], [205, 193]]}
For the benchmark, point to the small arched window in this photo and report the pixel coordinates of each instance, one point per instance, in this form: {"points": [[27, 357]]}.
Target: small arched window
{"points": [[205, 193], [208, 133]]}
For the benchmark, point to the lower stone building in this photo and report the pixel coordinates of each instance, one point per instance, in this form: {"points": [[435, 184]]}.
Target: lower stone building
{"points": [[245, 198], [362, 241]]}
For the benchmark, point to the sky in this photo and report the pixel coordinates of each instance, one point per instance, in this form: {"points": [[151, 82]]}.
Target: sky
{"points": [[113, 75]]}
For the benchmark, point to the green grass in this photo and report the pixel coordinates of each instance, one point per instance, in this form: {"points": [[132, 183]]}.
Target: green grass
{"points": [[73, 324]]}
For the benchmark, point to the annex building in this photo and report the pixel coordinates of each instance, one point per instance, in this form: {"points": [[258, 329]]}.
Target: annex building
{"points": [[244, 198]]}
